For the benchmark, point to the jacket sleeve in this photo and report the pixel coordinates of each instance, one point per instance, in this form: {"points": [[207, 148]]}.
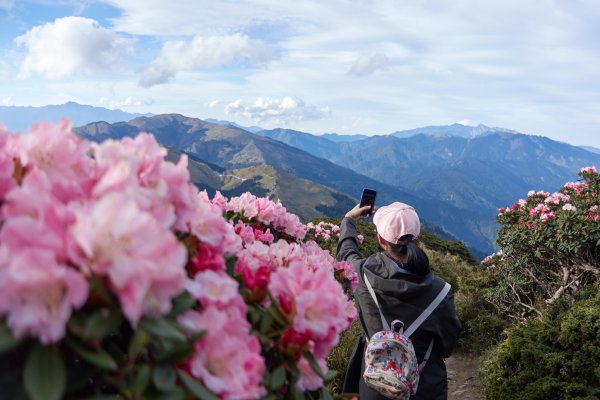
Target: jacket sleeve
{"points": [[347, 247], [450, 325]]}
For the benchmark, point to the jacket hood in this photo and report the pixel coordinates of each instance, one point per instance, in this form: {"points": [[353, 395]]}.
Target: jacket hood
{"points": [[386, 280]]}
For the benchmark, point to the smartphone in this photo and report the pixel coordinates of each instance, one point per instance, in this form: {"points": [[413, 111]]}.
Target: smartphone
{"points": [[368, 199]]}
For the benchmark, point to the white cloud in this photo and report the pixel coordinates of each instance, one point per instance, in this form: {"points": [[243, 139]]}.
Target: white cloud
{"points": [[126, 102], [70, 45], [6, 101], [214, 103], [276, 112], [203, 52], [364, 65]]}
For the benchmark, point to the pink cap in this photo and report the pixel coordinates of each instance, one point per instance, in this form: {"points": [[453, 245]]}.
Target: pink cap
{"points": [[396, 220]]}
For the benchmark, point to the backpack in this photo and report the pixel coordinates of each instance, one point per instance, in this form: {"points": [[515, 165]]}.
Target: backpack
{"points": [[391, 366]]}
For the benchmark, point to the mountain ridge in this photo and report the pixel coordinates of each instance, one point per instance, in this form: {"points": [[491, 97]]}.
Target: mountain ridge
{"points": [[234, 148], [20, 118]]}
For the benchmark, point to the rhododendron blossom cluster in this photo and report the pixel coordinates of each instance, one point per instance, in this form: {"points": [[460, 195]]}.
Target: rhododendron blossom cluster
{"points": [[118, 267], [550, 245]]}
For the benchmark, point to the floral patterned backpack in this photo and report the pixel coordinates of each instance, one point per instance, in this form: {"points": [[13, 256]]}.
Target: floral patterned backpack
{"points": [[391, 366]]}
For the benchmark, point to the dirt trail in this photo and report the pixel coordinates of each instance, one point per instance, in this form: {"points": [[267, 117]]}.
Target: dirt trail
{"points": [[464, 382]]}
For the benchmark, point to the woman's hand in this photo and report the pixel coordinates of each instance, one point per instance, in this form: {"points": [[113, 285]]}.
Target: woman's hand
{"points": [[357, 212]]}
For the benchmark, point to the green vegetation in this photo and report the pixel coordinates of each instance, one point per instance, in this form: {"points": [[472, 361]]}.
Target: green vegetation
{"points": [[553, 357], [550, 247], [546, 286]]}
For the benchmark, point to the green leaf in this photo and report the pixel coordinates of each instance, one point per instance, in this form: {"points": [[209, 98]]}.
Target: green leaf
{"points": [[100, 358], [277, 378], [44, 375], [231, 261], [277, 316], [181, 304], [162, 327], [330, 375], [253, 314], [313, 363], [97, 288], [142, 379], [102, 323], [174, 351], [78, 376], [7, 341], [325, 395], [265, 323], [140, 339], [176, 393], [196, 387], [164, 377]]}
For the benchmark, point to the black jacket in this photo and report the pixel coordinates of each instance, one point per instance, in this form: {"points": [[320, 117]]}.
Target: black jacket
{"points": [[401, 296]]}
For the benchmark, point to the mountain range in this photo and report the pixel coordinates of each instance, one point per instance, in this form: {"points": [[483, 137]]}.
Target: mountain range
{"points": [[232, 149], [20, 118], [456, 176]]}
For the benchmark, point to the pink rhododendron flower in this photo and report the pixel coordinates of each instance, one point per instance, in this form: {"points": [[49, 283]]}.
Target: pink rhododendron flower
{"points": [[144, 261], [227, 358], [569, 207], [218, 200], [181, 193], [548, 216], [214, 288], [309, 379], [269, 213], [208, 225], [284, 254], [250, 233], [62, 156], [207, 258], [589, 170], [557, 198], [245, 232], [37, 294], [6, 164], [321, 308], [361, 239], [36, 218], [135, 166], [254, 266], [578, 187], [348, 273]]}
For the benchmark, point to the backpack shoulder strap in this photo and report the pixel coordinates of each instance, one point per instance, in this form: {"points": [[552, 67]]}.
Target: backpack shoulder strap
{"points": [[421, 318], [384, 322]]}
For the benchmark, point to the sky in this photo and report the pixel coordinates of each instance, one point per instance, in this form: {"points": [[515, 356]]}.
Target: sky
{"points": [[343, 66]]}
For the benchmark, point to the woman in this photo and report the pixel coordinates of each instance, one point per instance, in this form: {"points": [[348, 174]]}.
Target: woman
{"points": [[405, 285]]}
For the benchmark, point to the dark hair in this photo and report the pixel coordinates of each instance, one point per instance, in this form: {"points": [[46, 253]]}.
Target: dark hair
{"points": [[417, 261]]}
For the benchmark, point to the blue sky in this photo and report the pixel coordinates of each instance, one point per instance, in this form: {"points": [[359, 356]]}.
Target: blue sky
{"points": [[370, 67]]}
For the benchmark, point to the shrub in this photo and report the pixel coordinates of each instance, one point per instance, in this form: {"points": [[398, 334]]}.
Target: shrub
{"points": [[482, 326], [550, 247], [556, 356], [119, 278]]}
